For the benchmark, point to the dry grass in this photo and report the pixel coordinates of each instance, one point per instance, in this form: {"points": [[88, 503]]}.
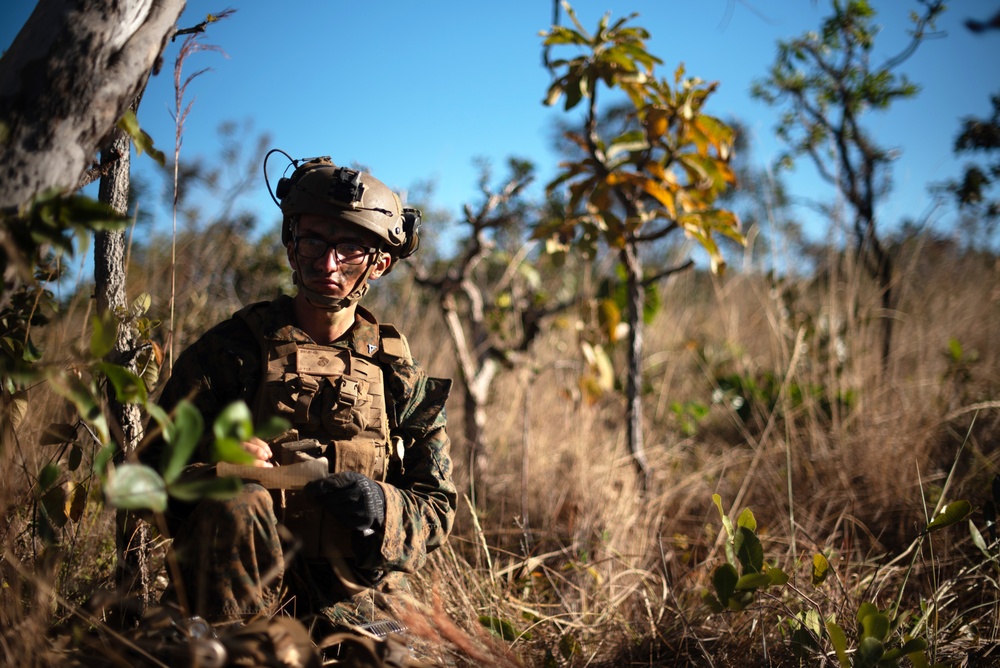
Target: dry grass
{"points": [[576, 566]]}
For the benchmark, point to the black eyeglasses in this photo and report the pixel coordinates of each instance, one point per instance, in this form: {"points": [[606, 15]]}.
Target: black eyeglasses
{"points": [[347, 252]]}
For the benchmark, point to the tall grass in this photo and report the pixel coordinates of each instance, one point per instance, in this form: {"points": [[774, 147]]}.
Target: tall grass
{"points": [[767, 392]]}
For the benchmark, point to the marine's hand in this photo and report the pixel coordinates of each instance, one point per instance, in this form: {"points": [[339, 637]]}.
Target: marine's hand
{"points": [[260, 450], [356, 500]]}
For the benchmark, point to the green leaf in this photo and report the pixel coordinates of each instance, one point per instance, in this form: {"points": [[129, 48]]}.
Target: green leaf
{"points": [[103, 336], [953, 513], [160, 415], [45, 531], [75, 457], [84, 398], [143, 142], [232, 451], [272, 427], [753, 581], [911, 646], [711, 601], [140, 305], [741, 600], [104, 456], [869, 652], [875, 625], [183, 439], [749, 550], [839, 641], [724, 580], [31, 353], [225, 487], [726, 522], [865, 609], [820, 569], [891, 657], [58, 433], [81, 394], [919, 660], [54, 503], [746, 519], [235, 422], [129, 388], [778, 577], [499, 627], [955, 350], [46, 478], [136, 486]]}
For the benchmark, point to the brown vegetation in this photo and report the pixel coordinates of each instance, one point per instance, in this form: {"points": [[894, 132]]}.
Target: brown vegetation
{"points": [[563, 555]]}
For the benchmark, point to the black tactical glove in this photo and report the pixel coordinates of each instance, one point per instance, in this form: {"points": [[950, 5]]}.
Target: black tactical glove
{"points": [[356, 500]]}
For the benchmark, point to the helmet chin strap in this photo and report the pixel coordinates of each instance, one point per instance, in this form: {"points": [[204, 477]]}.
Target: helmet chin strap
{"points": [[334, 304]]}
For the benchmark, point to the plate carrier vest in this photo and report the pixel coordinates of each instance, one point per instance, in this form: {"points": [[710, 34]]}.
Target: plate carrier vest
{"points": [[338, 397]]}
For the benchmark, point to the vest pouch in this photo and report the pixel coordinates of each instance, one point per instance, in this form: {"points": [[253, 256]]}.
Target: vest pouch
{"points": [[342, 402], [357, 455]]}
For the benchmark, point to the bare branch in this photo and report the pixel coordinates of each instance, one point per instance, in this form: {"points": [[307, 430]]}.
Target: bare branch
{"points": [[660, 275]]}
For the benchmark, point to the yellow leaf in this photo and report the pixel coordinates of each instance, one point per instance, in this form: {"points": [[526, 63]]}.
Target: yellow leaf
{"points": [[821, 568], [605, 370], [18, 408], [590, 389], [657, 122], [609, 315]]}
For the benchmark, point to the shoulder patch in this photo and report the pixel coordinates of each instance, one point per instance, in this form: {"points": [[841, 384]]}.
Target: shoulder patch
{"points": [[393, 346]]}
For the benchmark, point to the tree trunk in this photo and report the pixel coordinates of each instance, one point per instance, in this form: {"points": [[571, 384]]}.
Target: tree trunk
{"points": [[633, 384], [877, 260], [476, 373], [71, 72], [131, 535], [883, 279]]}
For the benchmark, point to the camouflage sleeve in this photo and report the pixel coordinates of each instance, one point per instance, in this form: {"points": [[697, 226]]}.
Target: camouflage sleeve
{"points": [[219, 368], [421, 499]]}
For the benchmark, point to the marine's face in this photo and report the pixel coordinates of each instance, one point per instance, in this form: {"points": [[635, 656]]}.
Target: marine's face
{"points": [[332, 273]]}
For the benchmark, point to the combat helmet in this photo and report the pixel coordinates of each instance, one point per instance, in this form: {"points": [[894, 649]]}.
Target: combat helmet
{"points": [[318, 186]]}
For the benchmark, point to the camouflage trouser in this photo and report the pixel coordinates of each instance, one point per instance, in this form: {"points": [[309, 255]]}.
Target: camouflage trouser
{"points": [[232, 564], [230, 557]]}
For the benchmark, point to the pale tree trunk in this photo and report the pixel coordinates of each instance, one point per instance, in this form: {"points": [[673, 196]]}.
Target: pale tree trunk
{"points": [[131, 534], [72, 71], [477, 367]]}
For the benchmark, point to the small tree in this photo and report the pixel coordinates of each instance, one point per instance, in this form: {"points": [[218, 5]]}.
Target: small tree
{"points": [[490, 296], [976, 192], [828, 82], [632, 189]]}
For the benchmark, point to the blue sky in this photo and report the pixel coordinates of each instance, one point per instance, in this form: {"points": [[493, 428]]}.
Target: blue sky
{"points": [[417, 91]]}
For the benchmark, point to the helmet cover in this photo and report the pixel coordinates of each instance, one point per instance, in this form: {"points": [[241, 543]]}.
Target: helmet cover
{"points": [[320, 187]]}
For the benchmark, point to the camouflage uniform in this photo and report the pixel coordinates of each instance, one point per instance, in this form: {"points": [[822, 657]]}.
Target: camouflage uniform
{"points": [[230, 552]]}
